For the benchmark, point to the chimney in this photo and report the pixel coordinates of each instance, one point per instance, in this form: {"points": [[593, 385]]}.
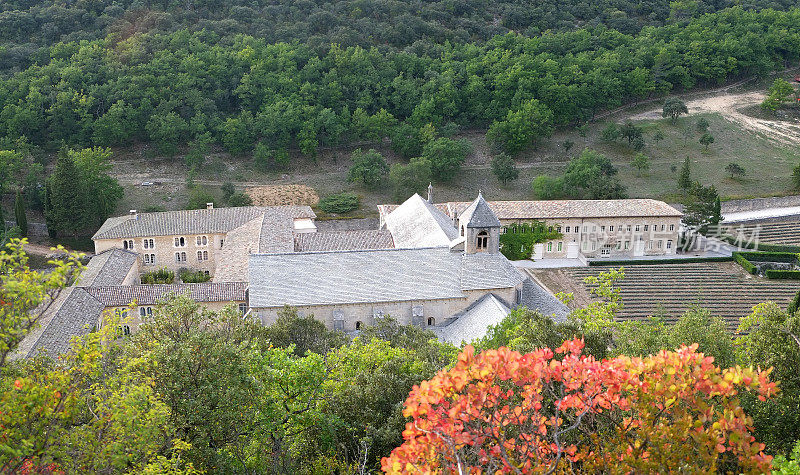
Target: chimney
{"points": [[209, 205], [133, 214], [430, 192]]}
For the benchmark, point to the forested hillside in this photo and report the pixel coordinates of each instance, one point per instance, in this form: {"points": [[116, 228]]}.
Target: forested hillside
{"points": [[25, 26], [170, 88]]}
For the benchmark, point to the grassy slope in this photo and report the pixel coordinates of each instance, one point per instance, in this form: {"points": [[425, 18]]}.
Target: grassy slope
{"points": [[768, 166]]}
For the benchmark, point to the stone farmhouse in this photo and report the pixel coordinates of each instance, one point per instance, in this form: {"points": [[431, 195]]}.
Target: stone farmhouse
{"points": [[432, 265], [589, 228]]}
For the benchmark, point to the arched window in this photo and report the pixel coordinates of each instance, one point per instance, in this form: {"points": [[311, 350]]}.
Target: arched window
{"points": [[431, 321], [483, 241]]}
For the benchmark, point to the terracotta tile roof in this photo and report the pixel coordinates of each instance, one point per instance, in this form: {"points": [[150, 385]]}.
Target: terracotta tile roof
{"points": [[506, 210], [198, 221], [343, 240]]}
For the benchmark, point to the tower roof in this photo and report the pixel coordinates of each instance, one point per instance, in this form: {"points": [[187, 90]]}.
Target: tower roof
{"points": [[480, 215]]}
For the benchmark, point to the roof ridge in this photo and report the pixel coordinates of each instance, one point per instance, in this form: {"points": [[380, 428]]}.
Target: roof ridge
{"points": [[345, 251]]}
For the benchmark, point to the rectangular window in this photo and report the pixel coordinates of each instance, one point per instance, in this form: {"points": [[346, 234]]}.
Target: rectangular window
{"points": [[660, 244], [148, 244], [180, 256], [567, 228], [585, 228], [180, 241], [221, 242], [629, 228], [602, 229], [662, 227], [594, 245], [619, 245], [149, 259], [646, 227], [549, 247], [627, 245], [242, 308], [637, 228], [559, 246], [669, 244], [583, 245], [558, 229], [672, 227], [611, 229]]}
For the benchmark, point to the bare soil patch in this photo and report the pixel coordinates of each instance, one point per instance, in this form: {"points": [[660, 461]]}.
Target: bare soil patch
{"points": [[275, 195], [730, 106]]}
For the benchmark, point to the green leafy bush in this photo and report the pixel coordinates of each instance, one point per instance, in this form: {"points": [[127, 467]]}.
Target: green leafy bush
{"points": [[782, 274], [160, 276], [340, 203], [677, 260], [193, 276], [517, 242]]}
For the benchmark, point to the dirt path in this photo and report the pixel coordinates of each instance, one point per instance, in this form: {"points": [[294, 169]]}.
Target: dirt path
{"points": [[728, 105]]}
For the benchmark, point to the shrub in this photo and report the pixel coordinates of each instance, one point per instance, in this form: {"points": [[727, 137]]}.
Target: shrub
{"points": [[782, 274], [504, 412], [369, 168], [160, 276], [504, 168], [745, 263], [193, 276], [517, 243], [240, 199], [198, 199], [677, 260], [340, 203]]}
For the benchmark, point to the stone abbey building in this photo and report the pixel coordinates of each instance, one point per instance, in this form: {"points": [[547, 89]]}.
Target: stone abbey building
{"points": [[436, 266]]}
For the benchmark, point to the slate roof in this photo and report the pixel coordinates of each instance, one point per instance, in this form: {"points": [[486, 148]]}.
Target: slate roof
{"points": [[534, 297], [107, 268], [73, 313], [418, 223], [123, 295], [343, 240], [198, 221], [371, 276], [479, 215], [472, 323], [555, 209]]}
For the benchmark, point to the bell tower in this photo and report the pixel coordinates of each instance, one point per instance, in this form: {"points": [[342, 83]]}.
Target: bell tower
{"points": [[480, 227]]}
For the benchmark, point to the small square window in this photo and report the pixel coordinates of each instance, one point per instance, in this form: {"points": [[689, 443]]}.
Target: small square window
{"points": [[646, 227], [567, 229]]}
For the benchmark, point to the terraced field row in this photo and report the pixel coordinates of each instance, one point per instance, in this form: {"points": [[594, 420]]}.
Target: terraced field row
{"points": [[773, 233], [669, 290]]}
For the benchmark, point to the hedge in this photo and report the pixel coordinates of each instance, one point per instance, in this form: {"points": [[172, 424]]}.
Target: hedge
{"points": [[769, 256], [762, 246], [738, 257], [634, 262], [783, 274]]}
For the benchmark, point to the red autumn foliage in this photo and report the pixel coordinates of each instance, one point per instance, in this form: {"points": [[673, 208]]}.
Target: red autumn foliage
{"points": [[504, 412]]}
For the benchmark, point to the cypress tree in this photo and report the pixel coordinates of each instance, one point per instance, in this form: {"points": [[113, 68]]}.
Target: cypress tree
{"points": [[66, 200], [19, 214], [685, 178]]}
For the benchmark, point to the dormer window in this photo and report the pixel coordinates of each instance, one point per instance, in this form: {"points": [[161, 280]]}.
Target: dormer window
{"points": [[483, 241]]}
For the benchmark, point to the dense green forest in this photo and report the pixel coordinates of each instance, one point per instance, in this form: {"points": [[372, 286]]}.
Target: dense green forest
{"points": [[27, 26], [171, 88]]}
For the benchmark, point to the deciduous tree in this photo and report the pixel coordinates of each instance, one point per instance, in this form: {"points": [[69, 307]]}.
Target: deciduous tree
{"points": [[501, 411], [673, 108]]}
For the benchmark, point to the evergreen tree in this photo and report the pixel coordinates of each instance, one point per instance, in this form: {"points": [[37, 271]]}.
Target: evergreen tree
{"points": [[19, 214], [717, 216], [685, 178], [68, 203]]}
